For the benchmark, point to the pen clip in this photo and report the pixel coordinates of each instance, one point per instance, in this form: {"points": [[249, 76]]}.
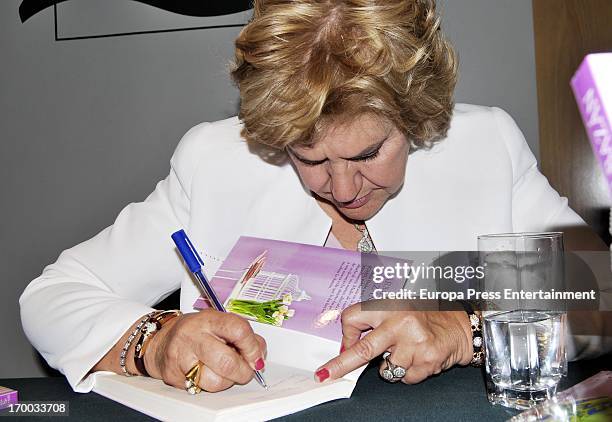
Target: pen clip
{"points": [[187, 251]]}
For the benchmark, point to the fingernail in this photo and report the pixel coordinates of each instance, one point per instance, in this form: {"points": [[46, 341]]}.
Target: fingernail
{"points": [[342, 348], [259, 365], [322, 374]]}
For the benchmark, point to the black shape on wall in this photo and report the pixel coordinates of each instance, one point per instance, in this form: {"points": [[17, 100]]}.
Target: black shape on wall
{"points": [[200, 8]]}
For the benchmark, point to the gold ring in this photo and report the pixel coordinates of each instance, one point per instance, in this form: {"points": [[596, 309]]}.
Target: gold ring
{"points": [[192, 379]]}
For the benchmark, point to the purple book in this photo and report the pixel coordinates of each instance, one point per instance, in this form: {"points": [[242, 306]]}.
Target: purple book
{"points": [[592, 85], [296, 286], [7, 397]]}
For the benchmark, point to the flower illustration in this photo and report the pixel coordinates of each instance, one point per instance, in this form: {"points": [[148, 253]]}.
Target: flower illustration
{"points": [[272, 312]]}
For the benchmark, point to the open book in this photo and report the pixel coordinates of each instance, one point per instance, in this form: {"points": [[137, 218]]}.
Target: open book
{"points": [[293, 294]]}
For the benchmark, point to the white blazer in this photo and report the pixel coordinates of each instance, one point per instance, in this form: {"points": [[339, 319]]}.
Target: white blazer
{"points": [[481, 179]]}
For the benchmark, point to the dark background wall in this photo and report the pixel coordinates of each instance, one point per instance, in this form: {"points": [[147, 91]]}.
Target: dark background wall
{"points": [[88, 126]]}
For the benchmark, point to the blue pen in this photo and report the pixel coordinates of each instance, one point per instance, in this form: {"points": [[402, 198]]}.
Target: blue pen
{"points": [[194, 262]]}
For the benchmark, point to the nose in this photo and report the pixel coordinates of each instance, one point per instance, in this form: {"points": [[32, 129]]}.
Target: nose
{"points": [[346, 182]]}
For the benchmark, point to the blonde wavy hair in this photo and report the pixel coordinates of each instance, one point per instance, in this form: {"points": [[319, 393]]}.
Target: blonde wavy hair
{"points": [[300, 65]]}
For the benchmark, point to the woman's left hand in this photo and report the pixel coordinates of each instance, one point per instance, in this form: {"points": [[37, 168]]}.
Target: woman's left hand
{"points": [[423, 342]]}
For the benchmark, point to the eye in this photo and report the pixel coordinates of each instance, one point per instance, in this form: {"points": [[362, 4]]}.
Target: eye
{"points": [[310, 163], [367, 157]]}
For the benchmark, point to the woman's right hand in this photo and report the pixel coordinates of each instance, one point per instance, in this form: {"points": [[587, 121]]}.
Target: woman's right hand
{"points": [[225, 343]]}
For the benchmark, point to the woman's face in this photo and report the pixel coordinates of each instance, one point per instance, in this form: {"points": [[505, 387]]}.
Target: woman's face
{"points": [[356, 166]]}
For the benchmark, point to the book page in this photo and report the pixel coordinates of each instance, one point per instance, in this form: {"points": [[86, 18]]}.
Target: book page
{"points": [[283, 382], [299, 350], [290, 390]]}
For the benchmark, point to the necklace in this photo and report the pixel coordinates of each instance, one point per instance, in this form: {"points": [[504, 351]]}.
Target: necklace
{"points": [[365, 244]]}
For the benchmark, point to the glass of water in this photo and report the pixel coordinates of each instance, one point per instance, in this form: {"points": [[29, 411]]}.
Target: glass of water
{"points": [[524, 340]]}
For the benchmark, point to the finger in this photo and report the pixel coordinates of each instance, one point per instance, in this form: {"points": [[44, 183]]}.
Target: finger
{"points": [[225, 361], [360, 353], [176, 378], [400, 357], [212, 382], [416, 374], [238, 332], [262, 345], [175, 375], [355, 322], [177, 362]]}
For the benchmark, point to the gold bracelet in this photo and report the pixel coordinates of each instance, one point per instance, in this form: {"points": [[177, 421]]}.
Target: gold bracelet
{"points": [[128, 343], [153, 324]]}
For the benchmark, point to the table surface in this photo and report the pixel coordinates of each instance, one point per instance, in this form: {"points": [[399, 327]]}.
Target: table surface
{"points": [[457, 395]]}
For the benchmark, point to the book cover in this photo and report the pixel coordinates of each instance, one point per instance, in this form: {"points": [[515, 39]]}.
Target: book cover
{"points": [[295, 286], [592, 86]]}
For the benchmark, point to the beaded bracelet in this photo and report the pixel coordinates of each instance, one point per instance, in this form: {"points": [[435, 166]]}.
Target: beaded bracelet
{"points": [[128, 343], [152, 325], [477, 340]]}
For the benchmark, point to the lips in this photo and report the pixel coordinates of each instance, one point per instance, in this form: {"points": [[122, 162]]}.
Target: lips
{"points": [[357, 203]]}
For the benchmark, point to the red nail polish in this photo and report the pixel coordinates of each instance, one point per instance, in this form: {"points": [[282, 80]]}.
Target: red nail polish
{"points": [[259, 365], [322, 374], [342, 348]]}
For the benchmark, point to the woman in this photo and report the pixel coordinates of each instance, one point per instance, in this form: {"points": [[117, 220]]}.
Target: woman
{"points": [[352, 138]]}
